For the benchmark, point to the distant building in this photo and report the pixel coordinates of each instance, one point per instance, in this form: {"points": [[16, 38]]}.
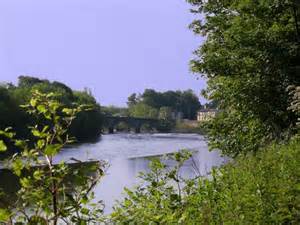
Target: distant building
{"points": [[206, 114]]}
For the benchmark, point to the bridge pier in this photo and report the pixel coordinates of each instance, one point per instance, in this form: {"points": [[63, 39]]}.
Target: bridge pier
{"points": [[137, 129], [111, 130]]}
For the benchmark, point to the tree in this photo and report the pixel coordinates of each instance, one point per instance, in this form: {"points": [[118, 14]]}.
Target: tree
{"points": [[87, 125], [152, 98], [132, 100], [143, 111], [27, 81], [46, 195], [185, 102], [115, 111], [189, 104], [165, 113], [250, 56]]}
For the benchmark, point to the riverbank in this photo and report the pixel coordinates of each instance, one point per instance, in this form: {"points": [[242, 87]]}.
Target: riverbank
{"points": [[188, 126]]}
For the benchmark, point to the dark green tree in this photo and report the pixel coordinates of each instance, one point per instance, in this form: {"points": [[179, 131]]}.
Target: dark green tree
{"points": [[250, 56], [185, 102], [88, 124], [132, 100]]}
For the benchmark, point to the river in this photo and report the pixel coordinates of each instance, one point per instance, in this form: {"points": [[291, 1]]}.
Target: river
{"points": [[128, 154]]}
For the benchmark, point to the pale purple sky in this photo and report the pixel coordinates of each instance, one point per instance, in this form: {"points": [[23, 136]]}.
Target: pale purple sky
{"points": [[114, 47]]}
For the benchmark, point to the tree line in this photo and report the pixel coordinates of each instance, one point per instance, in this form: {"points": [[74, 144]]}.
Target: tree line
{"points": [[154, 104], [167, 107], [88, 124]]}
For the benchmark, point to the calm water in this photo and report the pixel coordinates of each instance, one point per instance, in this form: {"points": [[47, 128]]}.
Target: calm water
{"points": [[128, 154]]}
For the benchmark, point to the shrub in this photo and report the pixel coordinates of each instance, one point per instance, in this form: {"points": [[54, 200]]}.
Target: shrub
{"points": [[260, 189]]}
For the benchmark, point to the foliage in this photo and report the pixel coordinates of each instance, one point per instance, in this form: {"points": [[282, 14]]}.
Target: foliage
{"points": [[165, 125], [27, 81], [159, 200], [143, 111], [132, 100], [250, 56], [243, 133], [183, 126], [165, 113], [46, 195], [88, 124], [254, 189], [115, 111], [185, 102], [295, 101]]}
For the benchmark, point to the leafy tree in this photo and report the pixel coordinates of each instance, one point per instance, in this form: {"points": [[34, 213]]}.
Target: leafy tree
{"points": [[27, 81], [189, 104], [143, 111], [132, 100], [152, 98], [82, 97], [47, 87], [250, 56], [88, 124], [185, 102], [114, 111], [46, 195], [10, 113], [63, 86], [165, 113]]}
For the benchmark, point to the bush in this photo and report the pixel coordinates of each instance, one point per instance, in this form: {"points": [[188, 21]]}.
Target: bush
{"points": [[254, 189], [50, 193]]}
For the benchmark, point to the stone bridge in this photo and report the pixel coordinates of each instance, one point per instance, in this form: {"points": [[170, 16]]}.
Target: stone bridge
{"points": [[110, 122]]}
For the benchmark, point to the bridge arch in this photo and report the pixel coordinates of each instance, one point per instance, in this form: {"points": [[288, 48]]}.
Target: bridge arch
{"points": [[111, 123]]}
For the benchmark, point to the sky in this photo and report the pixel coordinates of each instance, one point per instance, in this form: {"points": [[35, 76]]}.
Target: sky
{"points": [[113, 47]]}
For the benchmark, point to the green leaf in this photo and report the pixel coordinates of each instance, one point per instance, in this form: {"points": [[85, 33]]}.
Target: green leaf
{"points": [[41, 108], [20, 143], [4, 215], [25, 182], [52, 150], [85, 211], [7, 134], [17, 166], [40, 144], [37, 174], [54, 106], [3, 147], [36, 133], [67, 111], [33, 102]]}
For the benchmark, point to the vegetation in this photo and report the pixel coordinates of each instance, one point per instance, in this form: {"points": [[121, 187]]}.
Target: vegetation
{"points": [[153, 104], [184, 126], [114, 111], [256, 189], [46, 194], [261, 188], [250, 56], [86, 125]]}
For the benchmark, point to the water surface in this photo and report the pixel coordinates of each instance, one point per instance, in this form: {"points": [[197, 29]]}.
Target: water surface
{"points": [[128, 154]]}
